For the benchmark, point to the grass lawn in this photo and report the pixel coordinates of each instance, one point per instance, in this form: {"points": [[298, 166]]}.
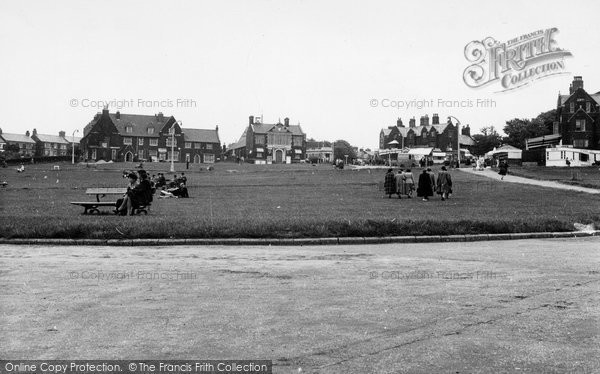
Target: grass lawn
{"points": [[280, 201], [584, 177]]}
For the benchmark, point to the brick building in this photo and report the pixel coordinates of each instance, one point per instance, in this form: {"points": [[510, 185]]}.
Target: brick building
{"points": [[577, 117]]}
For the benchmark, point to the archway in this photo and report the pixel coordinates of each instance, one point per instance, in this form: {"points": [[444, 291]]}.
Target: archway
{"points": [[196, 159], [278, 156], [128, 157]]}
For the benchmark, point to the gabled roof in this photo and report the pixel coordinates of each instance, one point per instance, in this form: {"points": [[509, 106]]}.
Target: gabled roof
{"points": [[21, 138], [139, 124], [241, 143], [263, 128], [51, 139], [466, 140], [562, 99], [201, 135]]}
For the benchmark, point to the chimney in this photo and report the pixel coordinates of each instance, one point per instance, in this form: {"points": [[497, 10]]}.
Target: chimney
{"points": [[61, 134], [34, 132], [411, 122], [0, 131], [161, 117], [577, 83], [217, 128], [251, 120], [399, 122], [27, 133], [435, 120], [118, 114], [466, 131], [105, 110], [286, 122]]}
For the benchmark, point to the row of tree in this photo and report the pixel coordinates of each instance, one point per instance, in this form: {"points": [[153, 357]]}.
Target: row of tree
{"points": [[517, 130]]}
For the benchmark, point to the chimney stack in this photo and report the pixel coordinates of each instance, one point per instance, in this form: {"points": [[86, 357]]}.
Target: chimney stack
{"points": [[160, 117], [34, 132], [399, 122], [27, 133], [436, 119], [61, 134], [105, 110], [251, 120], [411, 122], [466, 130], [118, 115], [577, 83], [286, 122]]}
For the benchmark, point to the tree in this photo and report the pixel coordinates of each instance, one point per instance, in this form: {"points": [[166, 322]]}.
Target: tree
{"points": [[520, 129], [486, 141], [343, 148]]}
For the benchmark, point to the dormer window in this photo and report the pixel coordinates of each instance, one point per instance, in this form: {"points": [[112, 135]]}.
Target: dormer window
{"points": [[128, 129], [150, 130]]}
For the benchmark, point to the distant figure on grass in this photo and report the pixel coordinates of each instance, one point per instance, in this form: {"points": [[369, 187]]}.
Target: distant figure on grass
{"points": [[389, 183], [503, 169], [425, 188], [138, 195], [21, 169], [444, 183]]}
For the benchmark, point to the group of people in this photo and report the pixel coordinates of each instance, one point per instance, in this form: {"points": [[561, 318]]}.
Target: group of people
{"points": [[139, 194], [176, 187], [403, 183]]}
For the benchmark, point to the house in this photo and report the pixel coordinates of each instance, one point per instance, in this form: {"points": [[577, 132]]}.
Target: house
{"points": [[128, 137], [18, 143], [50, 145], [274, 143], [319, 152], [558, 156], [429, 135], [578, 116]]}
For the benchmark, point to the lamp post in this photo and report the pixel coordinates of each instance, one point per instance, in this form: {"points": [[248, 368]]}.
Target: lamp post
{"points": [[457, 140], [73, 148], [172, 131]]}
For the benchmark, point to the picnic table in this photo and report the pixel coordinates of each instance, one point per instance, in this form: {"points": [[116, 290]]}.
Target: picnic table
{"points": [[92, 206]]}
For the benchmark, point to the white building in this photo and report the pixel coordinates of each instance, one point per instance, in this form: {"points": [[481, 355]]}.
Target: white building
{"points": [[577, 157]]}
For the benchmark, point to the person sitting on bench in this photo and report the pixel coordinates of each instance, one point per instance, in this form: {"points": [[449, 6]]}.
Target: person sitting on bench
{"points": [[140, 195]]}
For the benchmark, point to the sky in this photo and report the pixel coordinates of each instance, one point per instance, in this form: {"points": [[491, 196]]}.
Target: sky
{"points": [[335, 67]]}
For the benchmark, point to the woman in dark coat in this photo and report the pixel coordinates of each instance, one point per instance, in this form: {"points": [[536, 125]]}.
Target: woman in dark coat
{"points": [[503, 169], [425, 188], [389, 183]]}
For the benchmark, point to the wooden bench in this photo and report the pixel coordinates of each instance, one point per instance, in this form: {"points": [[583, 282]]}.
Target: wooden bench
{"points": [[92, 206]]}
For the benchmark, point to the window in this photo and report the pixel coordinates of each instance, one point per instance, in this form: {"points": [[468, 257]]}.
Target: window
{"points": [[197, 145], [259, 154], [584, 157], [104, 145], [580, 125], [141, 141], [154, 142], [152, 153], [141, 154], [209, 158], [93, 154], [259, 139], [170, 142], [188, 144], [127, 141], [128, 129], [150, 130], [209, 146], [572, 107], [588, 106], [580, 143]]}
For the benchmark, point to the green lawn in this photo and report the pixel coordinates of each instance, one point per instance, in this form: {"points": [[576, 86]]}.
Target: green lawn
{"points": [[280, 201], [584, 177]]}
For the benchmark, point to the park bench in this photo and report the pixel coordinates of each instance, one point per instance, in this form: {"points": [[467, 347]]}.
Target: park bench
{"points": [[91, 207]]}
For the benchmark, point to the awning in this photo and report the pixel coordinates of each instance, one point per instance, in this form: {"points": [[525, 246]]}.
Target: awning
{"points": [[420, 151]]}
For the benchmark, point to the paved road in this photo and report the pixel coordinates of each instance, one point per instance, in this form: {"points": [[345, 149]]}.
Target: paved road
{"points": [[514, 179], [501, 306]]}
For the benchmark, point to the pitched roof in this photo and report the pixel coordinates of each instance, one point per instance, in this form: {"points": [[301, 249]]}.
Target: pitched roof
{"points": [[466, 140], [201, 135], [139, 123], [263, 128], [21, 138], [241, 143], [51, 139], [563, 98]]}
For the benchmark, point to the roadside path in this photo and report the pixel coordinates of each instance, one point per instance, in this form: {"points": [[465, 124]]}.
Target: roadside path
{"points": [[493, 174]]}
